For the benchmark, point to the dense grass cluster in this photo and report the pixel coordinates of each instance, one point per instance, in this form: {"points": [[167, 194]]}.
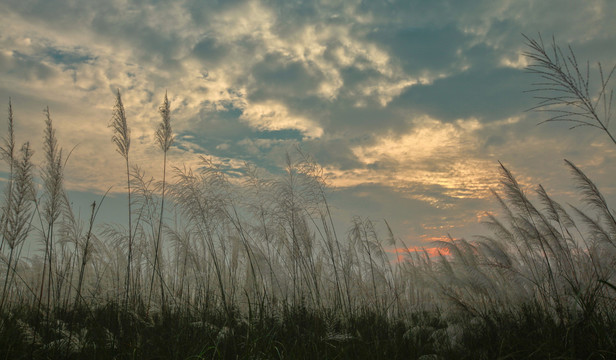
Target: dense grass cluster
{"points": [[213, 264]]}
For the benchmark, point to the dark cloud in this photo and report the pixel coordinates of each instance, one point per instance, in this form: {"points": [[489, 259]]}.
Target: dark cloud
{"points": [[488, 94], [355, 78], [204, 11], [210, 51], [68, 58], [425, 14], [364, 121], [292, 16], [421, 50], [284, 78], [26, 67], [219, 123], [58, 15], [332, 152], [145, 41]]}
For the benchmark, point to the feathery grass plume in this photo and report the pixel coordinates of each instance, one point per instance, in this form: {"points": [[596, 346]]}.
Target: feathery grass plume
{"points": [[52, 173], [121, 137], [86, 248], [18, 217], [145, 229], [527, 225], [254, 291], [563, 241], [164, 134], [179, 237], [565, 91], [52, 199], [295, 201], [7, 151], [363, 234], [70, 237], [594, 198], [164, 137], [316, 180], [513, 237], [563, 276], [202, 200], [556, 213], [260, 204], [121, 132]]}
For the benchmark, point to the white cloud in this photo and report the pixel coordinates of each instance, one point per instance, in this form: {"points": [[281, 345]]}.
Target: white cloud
{"points": [[275, 116]]}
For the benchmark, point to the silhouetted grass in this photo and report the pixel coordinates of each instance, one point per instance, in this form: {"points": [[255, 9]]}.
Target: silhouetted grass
{"points": [[252, 267]]}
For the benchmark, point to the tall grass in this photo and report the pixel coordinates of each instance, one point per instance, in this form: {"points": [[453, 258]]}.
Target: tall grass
{"points": [[164, 138], [17, 218], [121, 137], [565, 91], [52, 177], [221, 264]]}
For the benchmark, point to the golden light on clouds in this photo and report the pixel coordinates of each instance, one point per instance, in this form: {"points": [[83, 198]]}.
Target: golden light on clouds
{"points": [[430, 139], [271, 115], [433, 153]]}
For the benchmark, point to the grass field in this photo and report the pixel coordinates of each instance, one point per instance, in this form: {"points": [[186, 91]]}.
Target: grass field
{"points": [[214, 265]]}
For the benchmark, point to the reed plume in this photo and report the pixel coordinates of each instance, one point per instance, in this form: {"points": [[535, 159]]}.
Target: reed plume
{"points": [[121, 137], [7, 151], [52, 177], [164, 138], [18, 217], [565, 90]]}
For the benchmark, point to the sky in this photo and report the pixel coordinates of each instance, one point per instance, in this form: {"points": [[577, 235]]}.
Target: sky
{"points": [[408, 105]]}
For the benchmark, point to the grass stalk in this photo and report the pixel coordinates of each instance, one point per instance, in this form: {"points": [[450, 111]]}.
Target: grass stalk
{"points": [[121, 137], [164, 138], [19, 216]]}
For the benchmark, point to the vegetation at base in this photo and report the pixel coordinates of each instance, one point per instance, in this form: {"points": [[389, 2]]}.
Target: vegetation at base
{"points": [[219, 264], [107, 332]]}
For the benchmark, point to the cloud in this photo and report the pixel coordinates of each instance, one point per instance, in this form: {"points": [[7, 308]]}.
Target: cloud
{"points": [[274, 116], [414, 101], [285, 77], [425, 52], [403, 254], [432, 162], [492, 94]]}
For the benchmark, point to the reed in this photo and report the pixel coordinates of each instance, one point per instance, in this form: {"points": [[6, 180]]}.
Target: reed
{"points": [[52, 177], [121, 137], [164, 138]]}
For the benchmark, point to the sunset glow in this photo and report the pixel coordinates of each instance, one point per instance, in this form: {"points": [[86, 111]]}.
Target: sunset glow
{"points": [[403, 253]]}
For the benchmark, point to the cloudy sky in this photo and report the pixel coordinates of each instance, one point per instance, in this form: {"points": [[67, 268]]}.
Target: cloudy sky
{"points": [[408, 105]]}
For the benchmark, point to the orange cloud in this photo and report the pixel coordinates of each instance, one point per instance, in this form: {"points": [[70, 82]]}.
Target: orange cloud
{"points": [[433, 251]]}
